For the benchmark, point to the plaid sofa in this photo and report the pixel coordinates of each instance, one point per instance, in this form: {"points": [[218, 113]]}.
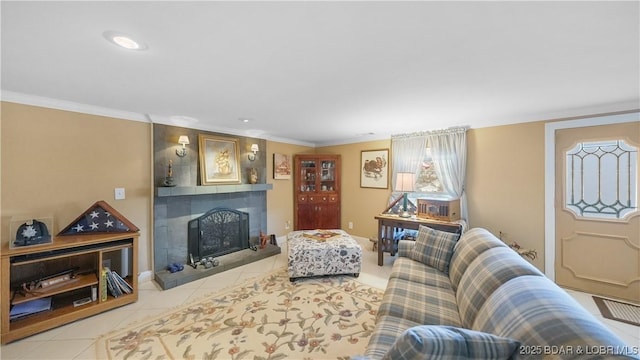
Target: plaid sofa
{"points": [[489, 289]]}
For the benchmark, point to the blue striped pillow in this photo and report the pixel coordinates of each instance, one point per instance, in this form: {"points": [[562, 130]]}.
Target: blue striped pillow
{"points": [[449, 342], [434, 248]]}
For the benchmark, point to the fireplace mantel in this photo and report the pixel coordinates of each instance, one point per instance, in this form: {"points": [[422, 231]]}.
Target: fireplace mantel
{"points": [[210, 189]]}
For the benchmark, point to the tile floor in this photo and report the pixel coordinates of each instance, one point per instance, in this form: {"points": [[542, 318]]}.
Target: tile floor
{"points": [[77, 340]]}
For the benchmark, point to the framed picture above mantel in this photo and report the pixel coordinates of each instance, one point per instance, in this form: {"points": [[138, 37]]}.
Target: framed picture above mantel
{"points": [[219, 160]]}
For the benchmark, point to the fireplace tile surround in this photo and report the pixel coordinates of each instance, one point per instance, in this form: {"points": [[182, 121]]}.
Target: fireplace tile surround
{"points": [[171, 216], [175, 206]]}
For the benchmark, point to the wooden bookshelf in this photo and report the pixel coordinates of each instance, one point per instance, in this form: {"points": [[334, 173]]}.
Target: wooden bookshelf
{"points": [[87, 254]]}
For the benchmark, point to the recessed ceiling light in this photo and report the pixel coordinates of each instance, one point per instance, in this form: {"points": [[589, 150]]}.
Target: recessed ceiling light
{"points": [[124, 40], [245, 120]]}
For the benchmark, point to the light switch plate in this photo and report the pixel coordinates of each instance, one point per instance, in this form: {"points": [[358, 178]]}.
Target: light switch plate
{"points": [[119, 194]]}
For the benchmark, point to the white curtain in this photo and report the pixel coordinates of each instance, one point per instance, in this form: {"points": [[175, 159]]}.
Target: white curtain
{"points": [[407, 154], [449, 153]]}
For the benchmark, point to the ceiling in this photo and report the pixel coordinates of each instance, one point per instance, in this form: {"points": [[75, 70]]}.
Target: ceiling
{"points": [[321, 73]]}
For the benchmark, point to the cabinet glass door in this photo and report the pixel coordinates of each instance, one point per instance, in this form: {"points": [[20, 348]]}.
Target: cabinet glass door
{"points": [[327, 175], [308, 175]]}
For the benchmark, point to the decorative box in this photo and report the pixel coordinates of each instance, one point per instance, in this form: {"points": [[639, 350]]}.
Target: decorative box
{"points": [[446, 210]]}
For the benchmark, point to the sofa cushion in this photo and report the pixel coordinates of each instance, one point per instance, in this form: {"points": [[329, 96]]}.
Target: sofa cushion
{"points": [[448, 342], [471, 244], [405, 247], [484, 275], [536, 312], [424, 304], [387, 330], [407, 269], [434, 248]]}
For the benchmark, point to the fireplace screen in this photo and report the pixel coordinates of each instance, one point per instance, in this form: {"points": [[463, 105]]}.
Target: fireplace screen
{"points": [[218, 232]]}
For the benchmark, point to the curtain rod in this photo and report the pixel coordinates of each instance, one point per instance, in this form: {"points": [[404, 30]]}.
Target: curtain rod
{"points": [[450, 130]]}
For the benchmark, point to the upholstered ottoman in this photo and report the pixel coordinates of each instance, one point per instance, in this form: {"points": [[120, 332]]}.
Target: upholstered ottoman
{"points": [[316, 252]]}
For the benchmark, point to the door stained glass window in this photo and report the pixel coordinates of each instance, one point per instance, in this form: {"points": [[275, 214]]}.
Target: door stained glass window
{"points": [[601, 179]]}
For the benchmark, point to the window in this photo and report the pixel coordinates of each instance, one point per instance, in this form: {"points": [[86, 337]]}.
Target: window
{"points": [[601, 179], [438, 160], [427, 180]]}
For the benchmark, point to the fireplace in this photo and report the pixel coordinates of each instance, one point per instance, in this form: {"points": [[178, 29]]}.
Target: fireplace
{"points": [[176, 206], [245, 215], [218, 232]]}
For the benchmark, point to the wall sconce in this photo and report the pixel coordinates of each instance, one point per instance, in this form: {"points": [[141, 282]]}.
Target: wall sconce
{"points": [[183, 140], [254, 148]]}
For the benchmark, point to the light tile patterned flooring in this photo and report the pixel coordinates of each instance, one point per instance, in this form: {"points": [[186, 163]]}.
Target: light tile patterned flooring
{"points": [[77, 340]]}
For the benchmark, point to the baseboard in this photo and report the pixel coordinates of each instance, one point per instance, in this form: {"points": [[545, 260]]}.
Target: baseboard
{"points": [[145, 276]]}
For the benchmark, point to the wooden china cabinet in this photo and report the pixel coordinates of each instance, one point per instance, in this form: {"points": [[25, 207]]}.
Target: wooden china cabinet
{"points": [[317, 191]]}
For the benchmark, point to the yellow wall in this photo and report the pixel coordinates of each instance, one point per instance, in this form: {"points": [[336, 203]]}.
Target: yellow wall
{"points": [[280, 198], [60, 163], [505, 183], [359, 205]]}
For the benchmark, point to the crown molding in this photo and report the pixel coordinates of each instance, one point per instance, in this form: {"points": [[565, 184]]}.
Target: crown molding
{"points": [[163, 120], [41, 101]]}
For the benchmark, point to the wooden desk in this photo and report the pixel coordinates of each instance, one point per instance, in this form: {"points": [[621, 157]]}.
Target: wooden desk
{"points": [[388, 224]]}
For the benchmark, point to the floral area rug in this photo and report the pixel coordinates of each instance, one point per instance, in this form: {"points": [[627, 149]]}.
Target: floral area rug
{"points": [[265, 318]]}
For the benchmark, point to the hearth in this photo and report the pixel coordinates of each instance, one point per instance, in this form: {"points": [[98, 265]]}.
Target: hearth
{"points": [[218, 232]]}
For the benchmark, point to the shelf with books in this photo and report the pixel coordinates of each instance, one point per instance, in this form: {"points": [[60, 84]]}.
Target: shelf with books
{"points": [[116, 285], [68, 272], [61, 307]]}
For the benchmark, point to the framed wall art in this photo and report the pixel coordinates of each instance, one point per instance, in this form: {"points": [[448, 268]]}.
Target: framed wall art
{"points": [[281, 166], [374, 168], [219, 160]]}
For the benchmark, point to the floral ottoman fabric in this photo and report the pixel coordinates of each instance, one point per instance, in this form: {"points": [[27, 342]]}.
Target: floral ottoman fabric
{"points": [[339, 254]]}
